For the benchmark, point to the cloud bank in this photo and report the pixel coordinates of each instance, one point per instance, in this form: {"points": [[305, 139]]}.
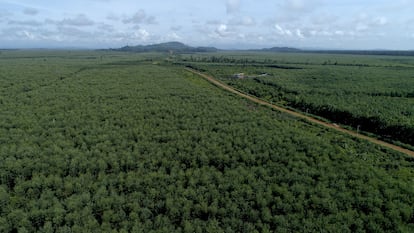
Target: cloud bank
{"points": [[221, 23]]}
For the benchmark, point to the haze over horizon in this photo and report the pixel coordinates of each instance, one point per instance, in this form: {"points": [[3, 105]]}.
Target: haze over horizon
{"points": [[226, 24]]}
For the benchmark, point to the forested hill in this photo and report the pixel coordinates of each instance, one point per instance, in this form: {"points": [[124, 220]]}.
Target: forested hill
{"points": [[281, 49], [176, 47]]}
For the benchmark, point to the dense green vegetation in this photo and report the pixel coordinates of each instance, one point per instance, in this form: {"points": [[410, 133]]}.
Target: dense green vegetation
{"points": [[112, 142], [373, 94]]}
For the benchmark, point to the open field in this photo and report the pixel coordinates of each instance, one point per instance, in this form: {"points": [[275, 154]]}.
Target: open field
{"points": [[121, 142], [369, 93]]}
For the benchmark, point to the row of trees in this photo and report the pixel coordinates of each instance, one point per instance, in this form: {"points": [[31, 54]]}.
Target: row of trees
{"points": [[379, 118], [373, 99]]}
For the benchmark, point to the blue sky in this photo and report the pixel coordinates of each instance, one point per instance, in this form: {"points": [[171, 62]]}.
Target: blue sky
{"points": [[335, 24]]}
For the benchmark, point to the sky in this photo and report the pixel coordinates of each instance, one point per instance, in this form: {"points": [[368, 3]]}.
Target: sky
{"points": [[227, 24]]}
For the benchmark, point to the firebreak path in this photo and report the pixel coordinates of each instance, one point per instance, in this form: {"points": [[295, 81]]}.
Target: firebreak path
{"points": [[302, 116]]}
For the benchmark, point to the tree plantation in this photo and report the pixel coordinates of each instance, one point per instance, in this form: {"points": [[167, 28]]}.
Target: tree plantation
{"points": [[121, 142], [369, 93]]}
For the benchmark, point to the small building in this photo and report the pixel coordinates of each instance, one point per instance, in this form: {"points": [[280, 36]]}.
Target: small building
{"points": [[239, 76]]}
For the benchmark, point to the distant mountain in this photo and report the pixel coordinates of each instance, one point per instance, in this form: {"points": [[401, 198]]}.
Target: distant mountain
{"points": [[176, 47], [282, 49]]}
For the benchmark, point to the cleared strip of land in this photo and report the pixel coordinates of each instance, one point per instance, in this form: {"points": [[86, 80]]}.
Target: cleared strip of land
{"points": [[299, 115]]}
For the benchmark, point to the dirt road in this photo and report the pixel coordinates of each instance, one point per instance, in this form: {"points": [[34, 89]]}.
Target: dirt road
{"points": [[299, 115]]}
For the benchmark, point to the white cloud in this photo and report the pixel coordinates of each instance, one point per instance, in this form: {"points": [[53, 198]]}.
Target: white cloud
{"points": [[173, 37], [324, 33], [232, 6], [304, 23], [380, 21], [142, 35], [222, 30], [339, 33], [299, 34], [282, 31], [368, 24], [140, 17], [279, 29], [29, 35]]}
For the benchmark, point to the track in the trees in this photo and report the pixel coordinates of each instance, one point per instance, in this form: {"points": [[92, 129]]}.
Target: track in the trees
{"points": [[299, 115]]}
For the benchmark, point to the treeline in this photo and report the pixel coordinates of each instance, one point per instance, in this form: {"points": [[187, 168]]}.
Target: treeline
{"points": [[277, 63], [372, 124], [233, 61], [222, 59]]}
